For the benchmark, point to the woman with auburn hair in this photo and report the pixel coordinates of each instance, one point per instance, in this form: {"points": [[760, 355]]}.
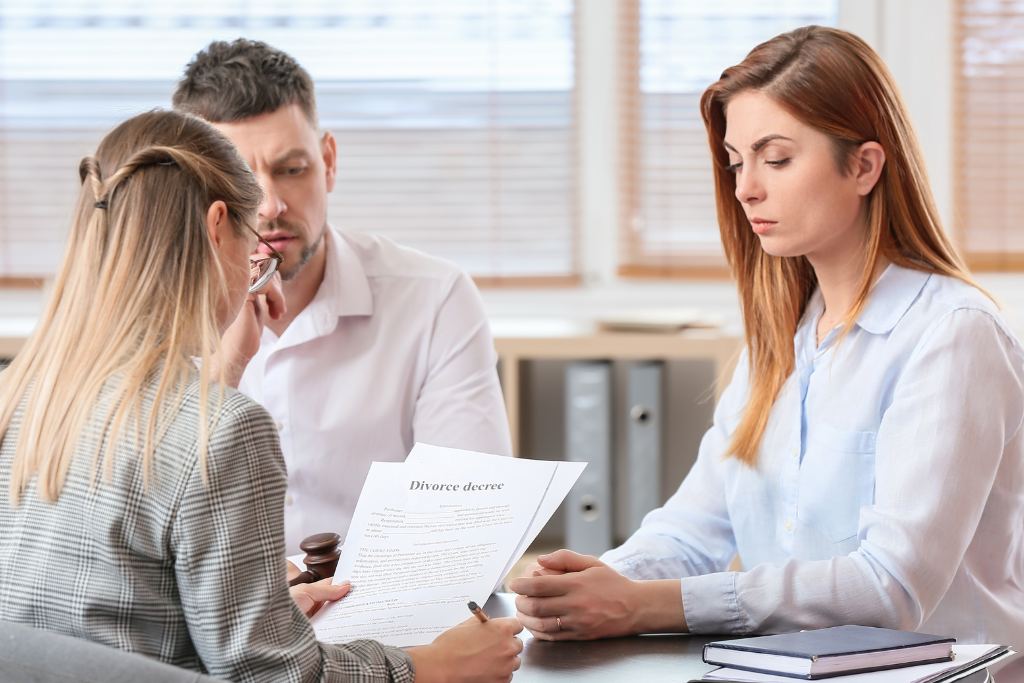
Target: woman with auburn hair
{"points": [[145, 505], [867, 460]]}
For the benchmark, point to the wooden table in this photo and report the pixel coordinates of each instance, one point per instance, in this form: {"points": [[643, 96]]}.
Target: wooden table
{"points": [[647, 659], [637, 659], [568, 340]]}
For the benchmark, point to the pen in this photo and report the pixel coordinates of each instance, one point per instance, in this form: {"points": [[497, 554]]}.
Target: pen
{"points": [[478, 612]]}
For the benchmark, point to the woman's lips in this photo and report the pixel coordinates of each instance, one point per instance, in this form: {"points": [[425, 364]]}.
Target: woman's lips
{"points": [[760, 226]]}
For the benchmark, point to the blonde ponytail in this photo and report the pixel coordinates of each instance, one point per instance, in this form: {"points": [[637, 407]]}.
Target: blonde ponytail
{"points": [[134, 301]]}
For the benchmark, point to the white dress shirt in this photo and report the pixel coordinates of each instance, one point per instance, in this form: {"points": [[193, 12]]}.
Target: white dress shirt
{"points": [[888, 489], [395, 348]]}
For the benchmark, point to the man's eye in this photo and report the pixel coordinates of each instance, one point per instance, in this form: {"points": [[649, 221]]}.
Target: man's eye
{"points": [[295, 170]]}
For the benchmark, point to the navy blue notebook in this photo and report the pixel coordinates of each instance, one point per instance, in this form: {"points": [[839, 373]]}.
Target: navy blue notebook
{"points": [[829, 652]]}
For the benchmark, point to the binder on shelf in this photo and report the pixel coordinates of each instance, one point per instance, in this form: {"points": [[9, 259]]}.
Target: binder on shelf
{"points": [[643, 441], [588, 518]]}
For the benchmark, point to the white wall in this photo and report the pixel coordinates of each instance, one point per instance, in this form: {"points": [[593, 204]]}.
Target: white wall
{"points": [[915, 38]]}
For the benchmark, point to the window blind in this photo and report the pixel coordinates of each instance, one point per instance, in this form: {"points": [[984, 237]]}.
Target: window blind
{"points": [[989, 132], [669, 225], [455, 119]]}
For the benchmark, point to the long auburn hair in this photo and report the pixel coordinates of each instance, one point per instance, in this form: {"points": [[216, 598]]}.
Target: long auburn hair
{"points": [[135, 299], [833, 82]]}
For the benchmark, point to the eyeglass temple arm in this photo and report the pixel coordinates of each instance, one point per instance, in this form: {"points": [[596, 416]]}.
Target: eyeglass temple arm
{"points": [[270, 246]]}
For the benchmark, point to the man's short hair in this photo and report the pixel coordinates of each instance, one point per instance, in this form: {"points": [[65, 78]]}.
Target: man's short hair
{"points": [[234, 81]]}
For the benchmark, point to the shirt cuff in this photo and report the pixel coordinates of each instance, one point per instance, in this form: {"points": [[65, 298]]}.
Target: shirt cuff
{"points": [[621, 559], [710, 604]]}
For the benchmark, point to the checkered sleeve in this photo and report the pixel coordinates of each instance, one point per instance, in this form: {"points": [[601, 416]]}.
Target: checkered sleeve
{"points": [[228, 548]]}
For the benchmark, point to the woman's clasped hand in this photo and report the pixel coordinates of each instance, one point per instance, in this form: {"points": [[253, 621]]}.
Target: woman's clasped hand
{"points": [[568, 596]]}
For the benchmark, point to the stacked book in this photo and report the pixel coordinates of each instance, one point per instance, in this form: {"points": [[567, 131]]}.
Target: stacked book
{"points": [[857, 654]]}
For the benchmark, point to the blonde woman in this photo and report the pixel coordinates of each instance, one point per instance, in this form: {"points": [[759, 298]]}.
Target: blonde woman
{"points": [[867, 460], [144, 505]]}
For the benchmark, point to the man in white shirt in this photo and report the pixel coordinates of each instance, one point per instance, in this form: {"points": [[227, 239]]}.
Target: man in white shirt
{"points": [[380, 346]]}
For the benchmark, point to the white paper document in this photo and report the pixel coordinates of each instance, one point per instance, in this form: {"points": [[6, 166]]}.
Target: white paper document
{"points": [[562, 480], [922, 673], [432, 533]]}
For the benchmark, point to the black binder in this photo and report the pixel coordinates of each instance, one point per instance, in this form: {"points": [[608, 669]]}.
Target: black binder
{"points": [[974, 671], [828, 652]]}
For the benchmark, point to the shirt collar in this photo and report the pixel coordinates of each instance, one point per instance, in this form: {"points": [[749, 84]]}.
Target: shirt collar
{"points": [[345, 290], [893, 294]]}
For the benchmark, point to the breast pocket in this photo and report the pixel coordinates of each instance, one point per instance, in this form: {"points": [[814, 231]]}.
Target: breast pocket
{"points": [[837, 479]]}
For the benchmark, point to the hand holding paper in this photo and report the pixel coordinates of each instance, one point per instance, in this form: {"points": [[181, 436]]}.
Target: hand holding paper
{"points": [[434, 532]]}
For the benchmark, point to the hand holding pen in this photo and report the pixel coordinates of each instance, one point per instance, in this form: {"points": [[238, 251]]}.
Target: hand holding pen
{"points": [[478, 612]]}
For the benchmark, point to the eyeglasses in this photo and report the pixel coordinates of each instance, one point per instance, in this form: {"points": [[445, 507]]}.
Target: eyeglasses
{"points": [[262, 268]]}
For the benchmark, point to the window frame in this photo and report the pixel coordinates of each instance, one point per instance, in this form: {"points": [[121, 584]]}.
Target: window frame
{"points": [[977, 261]]}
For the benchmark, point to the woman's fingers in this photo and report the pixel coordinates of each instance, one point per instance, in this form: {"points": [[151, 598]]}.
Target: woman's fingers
{"points": [[544, 607], [273, 297], [532, 568], [326, 590], [539, 624], [310, 597], [542, 586], [254, 301], [474, 652], [594, 602], [568, 561], [546, 628]]}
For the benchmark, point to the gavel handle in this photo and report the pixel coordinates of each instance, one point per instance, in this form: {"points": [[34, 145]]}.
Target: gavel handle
{"points": [[308, 576]]}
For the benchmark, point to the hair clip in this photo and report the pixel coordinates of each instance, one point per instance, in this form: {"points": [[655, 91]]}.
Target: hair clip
{"points": [[169, 162], [101, 204]]}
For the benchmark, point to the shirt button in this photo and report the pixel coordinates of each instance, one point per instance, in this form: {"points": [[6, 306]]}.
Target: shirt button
{"points": [[796, 451], [789, 526], [288, 499], [279, 425]]}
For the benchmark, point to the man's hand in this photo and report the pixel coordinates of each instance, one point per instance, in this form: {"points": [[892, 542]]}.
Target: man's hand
{"points": [[310, 597], [569, 596], [241, 341], [471, 653]]}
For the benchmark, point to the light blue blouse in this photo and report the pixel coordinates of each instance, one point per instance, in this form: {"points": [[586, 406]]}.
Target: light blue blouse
{"points": [[888, 489]]}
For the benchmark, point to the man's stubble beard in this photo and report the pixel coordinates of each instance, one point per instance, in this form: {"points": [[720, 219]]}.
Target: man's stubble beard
{"points": [[288, 274]]}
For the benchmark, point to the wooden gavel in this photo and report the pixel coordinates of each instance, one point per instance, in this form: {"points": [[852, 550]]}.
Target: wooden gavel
{"points": [[322, 555]]}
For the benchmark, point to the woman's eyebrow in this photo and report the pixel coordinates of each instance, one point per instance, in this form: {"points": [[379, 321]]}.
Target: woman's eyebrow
{"points": [[766, 139], [760, 143]]}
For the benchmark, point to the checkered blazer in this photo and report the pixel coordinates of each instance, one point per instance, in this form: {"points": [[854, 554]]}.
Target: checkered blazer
{"points": [[190, 573]]}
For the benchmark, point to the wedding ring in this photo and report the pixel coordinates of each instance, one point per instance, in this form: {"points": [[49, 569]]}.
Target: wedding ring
{"points": [[558, 620]]}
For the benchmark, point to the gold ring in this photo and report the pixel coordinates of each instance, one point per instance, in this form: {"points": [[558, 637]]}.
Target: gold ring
{"points": [[558, 620]]}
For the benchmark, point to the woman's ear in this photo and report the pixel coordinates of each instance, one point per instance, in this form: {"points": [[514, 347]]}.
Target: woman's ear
{"points": [[868, 162], [217, 223]]}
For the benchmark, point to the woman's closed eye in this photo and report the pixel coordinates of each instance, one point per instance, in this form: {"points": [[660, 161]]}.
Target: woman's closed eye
{"points": [[777, 162]]}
